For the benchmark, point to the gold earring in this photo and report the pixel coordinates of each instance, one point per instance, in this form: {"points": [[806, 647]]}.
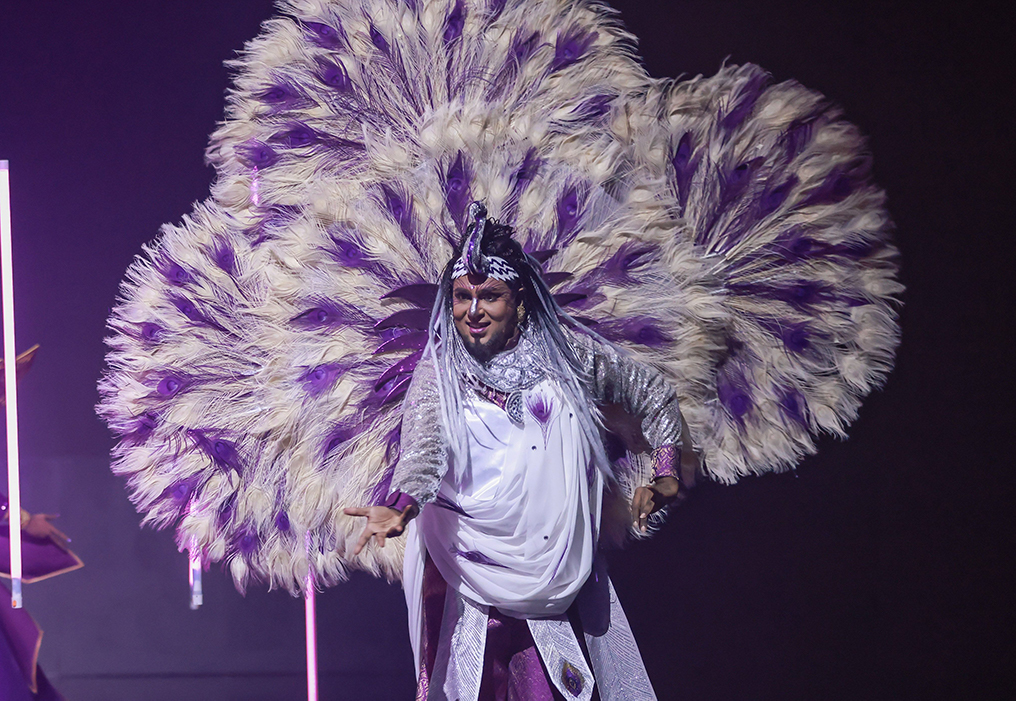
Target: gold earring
{"points": [[520, 312]]}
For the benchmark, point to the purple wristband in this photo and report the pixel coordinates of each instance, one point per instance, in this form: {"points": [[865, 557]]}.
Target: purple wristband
{"points": [[665, 460], [400, 501]]}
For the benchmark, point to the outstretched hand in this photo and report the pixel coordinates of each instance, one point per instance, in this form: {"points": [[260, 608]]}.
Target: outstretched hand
{"points": [[648, 500], [382, 523], [39, 526]]}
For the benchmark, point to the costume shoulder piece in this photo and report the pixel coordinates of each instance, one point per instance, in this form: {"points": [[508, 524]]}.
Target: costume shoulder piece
{"points": [[260, 349]]}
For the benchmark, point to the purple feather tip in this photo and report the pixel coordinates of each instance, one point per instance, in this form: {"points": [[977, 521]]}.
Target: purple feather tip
{"points": [[257, 154], [323, 35], [571, 46], [152, 333], [176, 274], [454, 23], [334, 75], [321, 378], [540, 407], [170, 385], [247, 542]]}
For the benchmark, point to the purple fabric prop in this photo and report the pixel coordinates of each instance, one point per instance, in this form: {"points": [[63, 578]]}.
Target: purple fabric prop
{"points": [[41, 558], [21, 679]]}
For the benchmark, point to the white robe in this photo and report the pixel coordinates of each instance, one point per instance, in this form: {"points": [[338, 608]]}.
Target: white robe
{"points": [[515, 529]]}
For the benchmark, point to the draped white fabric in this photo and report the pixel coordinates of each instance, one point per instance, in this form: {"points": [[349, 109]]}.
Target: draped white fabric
{"points": [[516, 529], [522, 536]]}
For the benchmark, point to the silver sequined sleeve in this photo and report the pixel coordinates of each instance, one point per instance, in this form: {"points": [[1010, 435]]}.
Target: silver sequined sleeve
{"points": [[423, 458], [616, 378]]}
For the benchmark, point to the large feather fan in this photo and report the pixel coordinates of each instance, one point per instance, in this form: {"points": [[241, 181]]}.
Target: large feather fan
{"points": [[720, 228]]}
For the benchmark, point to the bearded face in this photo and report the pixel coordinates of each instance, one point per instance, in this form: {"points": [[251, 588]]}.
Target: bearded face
{"points": [[485, 313]]}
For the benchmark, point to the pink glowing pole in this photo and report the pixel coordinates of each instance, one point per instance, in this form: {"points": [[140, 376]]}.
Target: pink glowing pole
{"points": [[310, 616], [10, 385]]}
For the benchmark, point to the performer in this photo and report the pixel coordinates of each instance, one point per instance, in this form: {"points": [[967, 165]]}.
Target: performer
{"points": [[500, 434], [45, 554], [723, 230]]}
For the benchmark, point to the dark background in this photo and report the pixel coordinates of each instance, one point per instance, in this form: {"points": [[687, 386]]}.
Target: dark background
{"points": [[882, 569]]}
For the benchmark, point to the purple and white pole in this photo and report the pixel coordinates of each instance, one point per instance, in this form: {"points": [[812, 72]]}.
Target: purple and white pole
{"points": [[311, 623], [197, 596], [10, 385]]}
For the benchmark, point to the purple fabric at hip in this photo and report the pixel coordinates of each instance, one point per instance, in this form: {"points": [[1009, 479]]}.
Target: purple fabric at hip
{"points": [[40, 558]]}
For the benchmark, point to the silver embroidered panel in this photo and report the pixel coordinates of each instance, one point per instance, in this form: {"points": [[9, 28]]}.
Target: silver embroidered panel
{"points": [[561, 654], [458, 665], [620, 673]]}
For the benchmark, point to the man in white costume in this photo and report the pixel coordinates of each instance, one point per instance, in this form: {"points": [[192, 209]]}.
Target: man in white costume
{"points": [[500, 483]]}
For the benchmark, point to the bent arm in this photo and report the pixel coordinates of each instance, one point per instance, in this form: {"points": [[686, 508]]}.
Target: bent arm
{"points": [[643, 392], [423, 457]]}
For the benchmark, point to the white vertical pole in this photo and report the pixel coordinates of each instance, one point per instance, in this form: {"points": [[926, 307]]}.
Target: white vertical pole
{"points": [[10, 385], [197, 596], [310, 614]]}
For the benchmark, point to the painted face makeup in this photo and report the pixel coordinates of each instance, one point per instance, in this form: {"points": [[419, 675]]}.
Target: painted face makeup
{"points": [[484, 310]]}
